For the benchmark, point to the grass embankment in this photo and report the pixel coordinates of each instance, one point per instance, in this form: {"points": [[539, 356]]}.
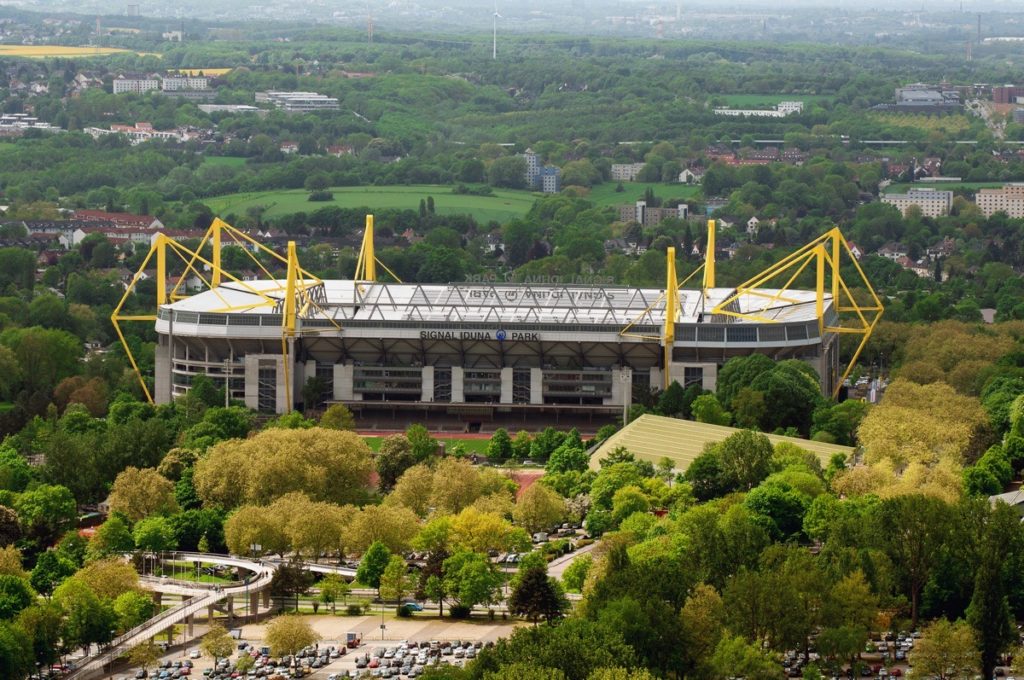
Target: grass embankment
{"points": [[767, 101]]}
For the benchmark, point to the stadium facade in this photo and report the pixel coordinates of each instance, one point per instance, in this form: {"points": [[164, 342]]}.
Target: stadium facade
{"points": [[482, 352]]}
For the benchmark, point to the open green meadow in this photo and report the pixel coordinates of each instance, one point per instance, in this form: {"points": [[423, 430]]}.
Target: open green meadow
{"points": [[503, 206], [606, 195], [756, 101]]}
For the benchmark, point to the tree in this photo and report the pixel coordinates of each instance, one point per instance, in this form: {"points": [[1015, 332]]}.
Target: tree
{"points": [[537, 596], [15, 651], [140, 493], [539, 508], [111, 537], [702, 620], [413, 490], [508, 171], [707, 476], [15, 472], [154, 534], [575, 575], [394, 457], [707, 409], [333, 587], [395, 582], [746, 458], [42, 623], [946, 651], [392, 525], [288, 634], [568, 456], [109, 578], [15, 595], [144, 655], [217, 643], [10, 562], [133, 608], [373, 564], [87, 618], [46, 356], [423, 445], [499, 449], [989, 611], [338, 417], [10, 529], [277, 461], [735, 657], [50, 571], [291, 579], [471, 579], [46, 511]]}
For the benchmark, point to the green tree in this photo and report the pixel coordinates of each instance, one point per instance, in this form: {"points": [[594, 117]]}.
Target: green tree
{"points": [[111, 537], [989, 611], [735, 657], [338, 417], [746, 458], [50, 571], [499, 449], [333, 587], [288, 634], [217, 643], [575, 575], [373, 564], [537, 596], [470, 579], [946, 651], [15, 595], [538, 508], [133, 608], [707, 409], [394, 458], [508, 171], [15, 651], [154, 534], [395, 582]]}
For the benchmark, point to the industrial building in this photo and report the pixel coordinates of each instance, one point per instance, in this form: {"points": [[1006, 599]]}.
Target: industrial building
{"points": [[298, 102], [485, 354]]}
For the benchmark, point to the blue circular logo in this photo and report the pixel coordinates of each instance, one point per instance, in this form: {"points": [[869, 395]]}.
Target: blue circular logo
{"points": [[500, 335]]}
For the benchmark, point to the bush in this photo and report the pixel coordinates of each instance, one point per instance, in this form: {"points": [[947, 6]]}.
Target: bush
{"points": [[404, 612], [354, 610], [459, 611], [322, 195]]}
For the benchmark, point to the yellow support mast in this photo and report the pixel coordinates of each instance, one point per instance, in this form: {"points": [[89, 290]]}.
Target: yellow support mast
{"points": [[671, 312], [826, 253], [709, 259]]}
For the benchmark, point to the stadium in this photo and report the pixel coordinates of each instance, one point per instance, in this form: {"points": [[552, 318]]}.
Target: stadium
{"points": [[471, 356]]}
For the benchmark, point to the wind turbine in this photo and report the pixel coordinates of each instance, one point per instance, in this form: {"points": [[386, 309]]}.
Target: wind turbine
{"points": [[494, 36]]}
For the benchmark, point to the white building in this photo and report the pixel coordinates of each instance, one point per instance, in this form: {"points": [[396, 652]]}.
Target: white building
{"points": [[1009, 199], [932, 202], [626, 172], [124, 85], [298, 102], [179, 82], [781, 110]]}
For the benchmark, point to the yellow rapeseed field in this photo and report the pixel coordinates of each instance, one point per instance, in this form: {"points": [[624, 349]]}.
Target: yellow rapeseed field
{"points": [[204, 71], [48, 51]]}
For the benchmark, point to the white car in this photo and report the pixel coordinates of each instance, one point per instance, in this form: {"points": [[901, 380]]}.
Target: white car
{"points": [[195, 654]]}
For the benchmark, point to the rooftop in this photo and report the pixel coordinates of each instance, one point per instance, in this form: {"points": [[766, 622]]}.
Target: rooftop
{"points": [[491, 303], [652, 438]]}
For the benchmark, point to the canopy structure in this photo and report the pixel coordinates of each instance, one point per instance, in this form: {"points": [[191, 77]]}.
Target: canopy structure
{"points": [[652, 438]]}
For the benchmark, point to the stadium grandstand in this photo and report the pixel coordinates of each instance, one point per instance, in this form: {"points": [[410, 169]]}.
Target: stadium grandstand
{"points": [[470, 356]]}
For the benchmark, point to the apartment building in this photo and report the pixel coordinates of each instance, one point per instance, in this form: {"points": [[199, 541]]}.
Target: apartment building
{"points": [[626, 172], [932, 202], [1009, 199]]}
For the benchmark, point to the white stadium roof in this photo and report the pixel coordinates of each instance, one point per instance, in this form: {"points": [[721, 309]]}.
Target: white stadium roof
{"points": [[489, 303]]}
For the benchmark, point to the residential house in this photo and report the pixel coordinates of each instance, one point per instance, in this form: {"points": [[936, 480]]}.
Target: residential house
{"points": [[892, 251], [692, 175]]}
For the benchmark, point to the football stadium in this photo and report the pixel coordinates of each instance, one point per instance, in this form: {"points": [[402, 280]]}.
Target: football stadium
{"points": [[477, 356]]}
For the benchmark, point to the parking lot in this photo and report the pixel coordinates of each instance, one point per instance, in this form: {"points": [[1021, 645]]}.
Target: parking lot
{"points": [[456, 641]]}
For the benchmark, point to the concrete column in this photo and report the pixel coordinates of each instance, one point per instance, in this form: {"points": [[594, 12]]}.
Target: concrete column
{"points": [[252, 381], [458, 384], [157, 598], [710, 377], [506, 385], [622, 386], [254, 604], [210, 611], [428, 384], [536, 386], [266, 597], [162, 374], [656, 379], [343, 382], [231, 607], [189, 625]]}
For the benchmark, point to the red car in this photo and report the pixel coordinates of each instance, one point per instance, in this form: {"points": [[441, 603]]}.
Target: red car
{"points": [[895, 672]]}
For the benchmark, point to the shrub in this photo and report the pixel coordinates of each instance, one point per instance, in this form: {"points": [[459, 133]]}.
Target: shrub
{"points": [[459, 611], [404, 612], [354, 610], [322, 195]]}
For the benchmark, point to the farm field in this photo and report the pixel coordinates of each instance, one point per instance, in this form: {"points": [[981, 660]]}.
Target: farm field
{"points": [[503, 206], [51, 51], [754, 101]]}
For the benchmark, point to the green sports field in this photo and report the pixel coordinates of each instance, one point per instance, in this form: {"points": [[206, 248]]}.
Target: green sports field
{"points": [[471, 445], [503, 206]]}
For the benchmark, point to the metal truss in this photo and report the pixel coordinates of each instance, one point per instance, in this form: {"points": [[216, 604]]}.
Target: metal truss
{"points": [[299, 295], [826, 253]]}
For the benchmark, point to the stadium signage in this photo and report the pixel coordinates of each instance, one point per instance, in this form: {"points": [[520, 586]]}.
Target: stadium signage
{"points": [[501, 335]]}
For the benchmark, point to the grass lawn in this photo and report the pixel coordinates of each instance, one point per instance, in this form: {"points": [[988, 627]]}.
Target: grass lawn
{"points": [[228, 161], [503, 206], [757, 101], [946, 186], [605, 194], [471, 445]]}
